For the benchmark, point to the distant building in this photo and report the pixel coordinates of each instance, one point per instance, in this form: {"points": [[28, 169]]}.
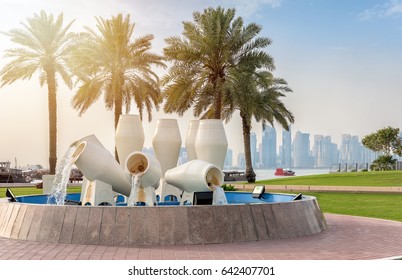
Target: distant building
{"points": [[325, 153], [241, 161], [253, 149], [351, 149], [229, 159], [268, 146], [286, 148], [301, 150]]}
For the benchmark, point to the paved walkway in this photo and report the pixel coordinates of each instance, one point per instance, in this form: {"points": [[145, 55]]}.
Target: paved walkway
{"points": [[347, 238]]}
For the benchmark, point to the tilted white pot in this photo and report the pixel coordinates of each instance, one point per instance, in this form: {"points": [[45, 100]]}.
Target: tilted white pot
{"points": [[146, 166], [97, 163], [211, 143], [195, 176]]}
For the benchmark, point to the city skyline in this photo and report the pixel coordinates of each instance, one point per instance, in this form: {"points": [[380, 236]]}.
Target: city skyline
{"points": [[341, 59]]}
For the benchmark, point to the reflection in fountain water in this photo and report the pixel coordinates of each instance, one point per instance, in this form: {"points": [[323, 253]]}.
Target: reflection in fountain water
{"points": [[135, 189], [59, 187], [219, 197]]}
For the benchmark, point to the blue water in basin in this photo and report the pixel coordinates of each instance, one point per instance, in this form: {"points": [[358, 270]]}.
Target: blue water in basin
{"points": [[232, 198]]}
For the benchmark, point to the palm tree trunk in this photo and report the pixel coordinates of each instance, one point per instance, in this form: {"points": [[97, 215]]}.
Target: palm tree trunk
{"points": [[250, 175], [52, 108], [118, 103]]}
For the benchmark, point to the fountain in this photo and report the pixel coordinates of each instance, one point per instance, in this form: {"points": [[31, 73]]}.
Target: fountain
{"points": [[120, 206]]}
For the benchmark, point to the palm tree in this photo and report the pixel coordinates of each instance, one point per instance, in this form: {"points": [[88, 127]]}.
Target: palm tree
{"points": [[44, 47], [205, 56], [257, 94], [109, 62]]}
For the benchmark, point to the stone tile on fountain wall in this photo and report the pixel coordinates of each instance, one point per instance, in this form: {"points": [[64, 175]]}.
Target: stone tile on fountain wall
{"points": [[311, 216], [210, 231], [26, 224], [298, 218], [18, 221], [272, 228], [57, 224], [198, 219], [166, 221], [311, 227], [66, 234], [180, 230], [81, 225], [3, 210], [305, 229], [11, 221], [289, 221], [259, 222], [46, 225], [280, 219], [292, 221], [320, 216], [6, 217], [144, 226], [236, 224], [35, 224], [108, 225], [222, 223], [250, 233], [94, 225], [122, 226]]}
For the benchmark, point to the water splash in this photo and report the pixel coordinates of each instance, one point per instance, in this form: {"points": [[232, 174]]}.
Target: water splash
{"points": [[59, 187], [135, 189], [219, 197]]}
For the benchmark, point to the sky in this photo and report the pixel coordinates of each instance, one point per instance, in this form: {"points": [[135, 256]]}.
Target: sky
{"points": [[342, 59]]}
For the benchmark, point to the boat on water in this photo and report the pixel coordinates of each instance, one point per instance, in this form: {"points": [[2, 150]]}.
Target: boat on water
{"points": [[284, 172], [10, 175], [230, 176]]}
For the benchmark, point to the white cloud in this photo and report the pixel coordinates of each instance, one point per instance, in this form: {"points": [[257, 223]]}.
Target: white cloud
{"points": [[391, 8]]}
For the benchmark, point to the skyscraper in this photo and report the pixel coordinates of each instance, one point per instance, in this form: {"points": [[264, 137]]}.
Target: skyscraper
{"points": [[286, 159], [253, 149], [268, 146], [301, 150], [325, 152], [229, 159]]}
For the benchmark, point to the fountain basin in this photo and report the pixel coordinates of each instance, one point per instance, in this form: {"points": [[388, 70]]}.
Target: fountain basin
{"points": [[275, 216]]}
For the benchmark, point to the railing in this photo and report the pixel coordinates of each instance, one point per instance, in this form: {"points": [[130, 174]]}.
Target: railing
{"points": [[349, 167]]}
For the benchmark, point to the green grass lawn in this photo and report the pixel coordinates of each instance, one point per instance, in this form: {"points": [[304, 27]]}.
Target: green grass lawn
{"points": [[33, 190], [375, 179], [383, 206]]}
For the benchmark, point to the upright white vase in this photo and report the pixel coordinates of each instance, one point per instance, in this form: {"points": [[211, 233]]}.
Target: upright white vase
{"points": [[166, 144], [211, 143], [129, 136], [190, 139], [97, 163], [195, 176]]}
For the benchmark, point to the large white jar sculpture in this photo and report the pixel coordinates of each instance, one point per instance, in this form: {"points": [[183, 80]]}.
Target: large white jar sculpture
{"points": [[166, 144], [129, 136], [190, 139], [211, 143]]}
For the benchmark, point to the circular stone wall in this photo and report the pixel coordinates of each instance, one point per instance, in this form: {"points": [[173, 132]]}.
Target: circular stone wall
{"points": [[162, 225]]}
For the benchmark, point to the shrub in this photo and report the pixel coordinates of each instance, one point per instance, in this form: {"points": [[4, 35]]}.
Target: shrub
{"points": [[229, 188]]}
